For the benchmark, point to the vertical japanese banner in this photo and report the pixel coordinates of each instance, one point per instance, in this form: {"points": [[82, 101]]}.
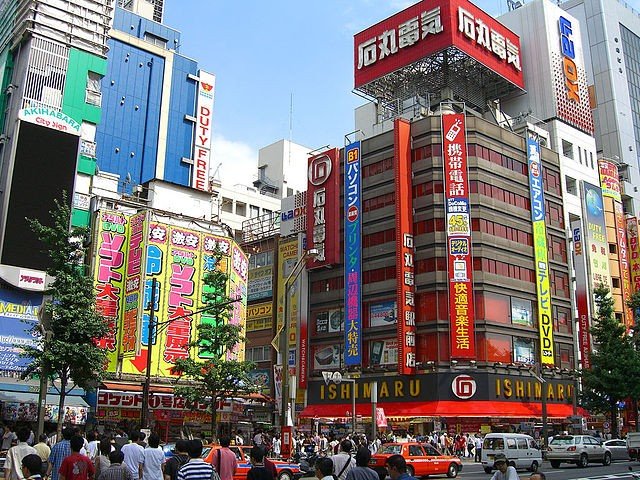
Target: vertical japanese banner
{"points": [[287, 259], [238, 276], [211, 243], [132, 302], [405, 277], [182, 296], [303, 327], [610, 185], [595, 238], [582, 293], [352, 255], [155, 267], [634, 252], [458, 225], [543, 285], [109, 272]]}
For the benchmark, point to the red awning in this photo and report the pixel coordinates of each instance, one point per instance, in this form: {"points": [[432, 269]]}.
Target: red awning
{"points": [[470, 408]]}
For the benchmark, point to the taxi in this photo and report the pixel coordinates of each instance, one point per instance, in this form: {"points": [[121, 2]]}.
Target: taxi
{"points": [[422, 460], [286, 470]]}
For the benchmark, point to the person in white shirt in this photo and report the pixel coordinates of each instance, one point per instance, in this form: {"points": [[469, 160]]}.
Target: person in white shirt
{"points": [[343, 461], [134, 456], [13, 462], [275, 446], [92, 445], [505, 471], [153, 459]]}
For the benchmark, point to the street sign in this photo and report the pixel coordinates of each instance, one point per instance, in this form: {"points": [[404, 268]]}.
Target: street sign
{"points": [[606, 425], [335, 377]]}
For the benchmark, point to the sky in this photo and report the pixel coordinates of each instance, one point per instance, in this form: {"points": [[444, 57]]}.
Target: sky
{"points": [[284, 69]]}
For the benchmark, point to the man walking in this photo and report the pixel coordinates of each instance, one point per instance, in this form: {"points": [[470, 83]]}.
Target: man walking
{"points": [[116, 470], [32, 467], [196, 468], [13, 462], [478, 452], [59, 452], [397, 468], [343, 461], [134, 456], [178, 460], [76, 466], [224, 460]]}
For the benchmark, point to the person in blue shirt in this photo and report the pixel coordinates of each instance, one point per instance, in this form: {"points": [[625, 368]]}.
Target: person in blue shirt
{"points": [[59, 452], [397, 468]]}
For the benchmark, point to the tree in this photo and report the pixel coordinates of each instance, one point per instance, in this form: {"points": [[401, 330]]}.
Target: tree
{"points": [[216, 374], [607, 382], [634, 374], [69, 351]]}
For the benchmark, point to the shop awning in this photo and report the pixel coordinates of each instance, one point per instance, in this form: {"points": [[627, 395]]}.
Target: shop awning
{"points": [[135, 387], [30, 397], [445, 409]]}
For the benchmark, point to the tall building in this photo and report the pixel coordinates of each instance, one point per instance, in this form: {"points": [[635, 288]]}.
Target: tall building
{"points": [[282, 169], [611, 43]]}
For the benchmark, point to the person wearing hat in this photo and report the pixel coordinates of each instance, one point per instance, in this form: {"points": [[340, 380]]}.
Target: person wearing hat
{"points": [[504, 470]]}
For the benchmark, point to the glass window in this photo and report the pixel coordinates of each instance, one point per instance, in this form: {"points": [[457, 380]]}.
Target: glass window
{"points": [[571, 185], [567, 149], [254, 211], [415, 451], [493, 444], [241, 209], [511, 444], [523, 350], [227, 205], [521, 312], [522, 443]]}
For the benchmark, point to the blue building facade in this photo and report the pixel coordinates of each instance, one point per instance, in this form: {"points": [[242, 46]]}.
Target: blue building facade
{"points": [[149, 101]]}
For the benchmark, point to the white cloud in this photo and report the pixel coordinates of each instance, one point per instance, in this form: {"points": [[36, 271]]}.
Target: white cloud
{"points": [[238, 161]]}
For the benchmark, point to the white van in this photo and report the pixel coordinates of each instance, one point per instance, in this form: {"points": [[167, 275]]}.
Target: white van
{"points": [[521, 451]]}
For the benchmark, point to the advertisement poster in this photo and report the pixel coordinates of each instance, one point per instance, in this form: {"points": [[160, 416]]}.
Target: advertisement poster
{"points": [[18, 315], [634, 252], [326, 357], [595, 238], [287, 259], [458, 227], [582, 293], [262, 379], [383, 314], [543, 282], [521, 312], [260, 283], [352, 255], [130, 340], [384, 352]]}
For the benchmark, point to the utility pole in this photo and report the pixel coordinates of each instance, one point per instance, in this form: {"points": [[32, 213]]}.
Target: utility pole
{"points": [[45, 325], [144, 417]]}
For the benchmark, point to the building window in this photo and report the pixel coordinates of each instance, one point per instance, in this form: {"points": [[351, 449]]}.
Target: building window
{"points": [[155, 40], [615, 282], [591, 157], [289, 191], [567, 149], [571, 184], [227, 205], [580, 155], [521, 312], [254, 212], [259, 354], [93, 95], [613, 248], [523, 350], [261, 259], [241, 209]]}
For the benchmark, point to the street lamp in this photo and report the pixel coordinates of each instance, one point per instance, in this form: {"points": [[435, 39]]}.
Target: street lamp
{"points": [[283, 334]]}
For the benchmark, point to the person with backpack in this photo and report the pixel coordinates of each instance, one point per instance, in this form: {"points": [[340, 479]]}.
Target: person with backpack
{"points": [[181, 457], [224, 460], [343, 461]]}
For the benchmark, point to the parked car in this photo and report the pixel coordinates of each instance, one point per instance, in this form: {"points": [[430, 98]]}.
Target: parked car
{"points": [[618, 449], [422, 460], [578, 449], [521, 451], [286, 470]]}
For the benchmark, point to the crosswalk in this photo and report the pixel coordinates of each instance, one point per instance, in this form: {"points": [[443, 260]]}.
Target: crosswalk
{"points": [[610, 476]]}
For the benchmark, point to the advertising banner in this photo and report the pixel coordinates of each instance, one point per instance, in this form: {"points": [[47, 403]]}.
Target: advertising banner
{"points": [[293, 214], [384, 352], [326, 357], [261, 377], [428, 27], [458, 226], [203, 131], [595, 237], [383, 314], [260, 283], [109, 277], [543, 284], [18, 315], [323, 214], [610, 185], [132, 302], [287, 259], [303, 326], [352, 255], [582, 293], [634, 252], [405, 277], [238, 276]]}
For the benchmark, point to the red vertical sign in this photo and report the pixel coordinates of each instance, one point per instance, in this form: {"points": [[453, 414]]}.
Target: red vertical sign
{"points": [[323, 203], [458, 224], [405, 278]]}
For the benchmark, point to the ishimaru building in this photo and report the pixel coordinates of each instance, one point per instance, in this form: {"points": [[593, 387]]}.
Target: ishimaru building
{"points": [[442, 268]]}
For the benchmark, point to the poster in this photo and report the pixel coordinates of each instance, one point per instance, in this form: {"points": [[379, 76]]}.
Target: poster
{"points": [[383, 314]]}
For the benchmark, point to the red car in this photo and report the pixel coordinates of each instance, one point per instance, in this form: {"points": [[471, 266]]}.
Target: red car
{"points": [[286, 471], [422, 460]]}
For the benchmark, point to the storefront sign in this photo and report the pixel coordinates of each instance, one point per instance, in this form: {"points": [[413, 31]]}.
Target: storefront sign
{"points": [[31, 280], [132, 302], [323, 192], [405, 250], [50, 118], [293, 216], [458, 227], [352, 255], [634, 252], [18, 316], [259, 310], [203, 132], [260, 283], [582, 293], [543, 284], [596, 243], [134, 400]]}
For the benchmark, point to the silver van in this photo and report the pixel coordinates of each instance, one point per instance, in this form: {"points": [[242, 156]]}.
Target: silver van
{"points": [[521, 451]]}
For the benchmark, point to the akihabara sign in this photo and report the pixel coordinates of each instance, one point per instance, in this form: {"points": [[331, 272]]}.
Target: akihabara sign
{"points": [[323, 216], [430, 27], [202, 136], [50, 118]]}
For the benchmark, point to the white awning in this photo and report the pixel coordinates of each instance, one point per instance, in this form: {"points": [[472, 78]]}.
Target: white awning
{"points": [[30, 397]]}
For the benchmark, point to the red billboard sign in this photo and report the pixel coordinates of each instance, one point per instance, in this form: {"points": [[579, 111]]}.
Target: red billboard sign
{"points": [[323, 203], [405, 277], [458, 225], [429, 27]]}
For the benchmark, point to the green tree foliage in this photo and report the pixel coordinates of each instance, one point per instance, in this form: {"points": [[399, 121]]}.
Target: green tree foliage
{"points": [[215, 375], [69, 351], [607, 382]]}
